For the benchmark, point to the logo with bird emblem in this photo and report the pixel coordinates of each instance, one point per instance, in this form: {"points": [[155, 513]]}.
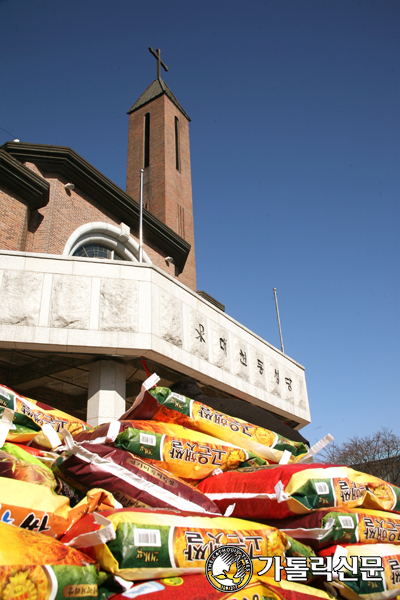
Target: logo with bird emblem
{"points": [[229, 568]]}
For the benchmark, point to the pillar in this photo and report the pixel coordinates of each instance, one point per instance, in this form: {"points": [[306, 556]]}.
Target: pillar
{"points": [[106, 398]]}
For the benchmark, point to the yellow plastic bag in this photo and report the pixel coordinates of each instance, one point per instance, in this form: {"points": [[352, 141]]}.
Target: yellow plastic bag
{"points": [[148, 544], [38, 508], [36, 567]]}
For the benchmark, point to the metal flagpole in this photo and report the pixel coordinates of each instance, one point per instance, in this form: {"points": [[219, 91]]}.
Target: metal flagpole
{"points": [[279, 321], [141, 217]]}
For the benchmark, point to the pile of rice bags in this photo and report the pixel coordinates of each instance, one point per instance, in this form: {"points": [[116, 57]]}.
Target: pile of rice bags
{"points": [[148, 464], [146, 500], [36, 507], [349, 518], [160, 404], [324, 506]]}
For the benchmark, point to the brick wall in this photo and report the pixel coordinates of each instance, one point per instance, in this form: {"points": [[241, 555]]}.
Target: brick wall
{"points": [[14, 214], [48, 229], [64, 213], [167, 191]]}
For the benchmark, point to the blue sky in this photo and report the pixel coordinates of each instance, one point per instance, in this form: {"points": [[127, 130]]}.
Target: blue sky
{"points": [[295, 160]]}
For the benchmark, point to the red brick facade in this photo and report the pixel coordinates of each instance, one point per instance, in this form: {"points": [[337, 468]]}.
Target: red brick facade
{"points": [[14, 215], [47, 230], [167, 191]]}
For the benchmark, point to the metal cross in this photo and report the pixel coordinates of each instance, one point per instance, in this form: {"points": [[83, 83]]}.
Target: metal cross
{"points": [[157, 54]]}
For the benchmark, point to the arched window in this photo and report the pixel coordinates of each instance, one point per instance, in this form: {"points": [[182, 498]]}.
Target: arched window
{"points": [[102, 240], [97, 251]]}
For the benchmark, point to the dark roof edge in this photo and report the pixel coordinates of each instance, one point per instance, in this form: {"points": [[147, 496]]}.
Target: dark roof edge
{"points": [[173, 99], [133, 109], [64, 160], [23, 181], [164, 90], [211, 300]]}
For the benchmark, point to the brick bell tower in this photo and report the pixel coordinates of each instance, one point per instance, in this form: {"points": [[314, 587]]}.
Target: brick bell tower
{"points": [[159, 143]]}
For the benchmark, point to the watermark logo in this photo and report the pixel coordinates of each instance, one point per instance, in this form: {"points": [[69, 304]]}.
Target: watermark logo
{"points": [[229, 568]]}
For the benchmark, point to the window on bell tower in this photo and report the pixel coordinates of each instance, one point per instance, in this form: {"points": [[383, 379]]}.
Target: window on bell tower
{"points": [[177, 157], [146, 140]]}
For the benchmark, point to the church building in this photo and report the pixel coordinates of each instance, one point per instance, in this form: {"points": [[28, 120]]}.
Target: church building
{"points": [[83, 320]]}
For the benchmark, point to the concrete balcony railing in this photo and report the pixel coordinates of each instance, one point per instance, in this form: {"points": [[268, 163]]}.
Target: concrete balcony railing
{"points": [[68, 304]]}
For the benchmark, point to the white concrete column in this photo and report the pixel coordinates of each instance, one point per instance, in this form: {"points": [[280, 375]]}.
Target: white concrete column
{"points": [[107, 389]]}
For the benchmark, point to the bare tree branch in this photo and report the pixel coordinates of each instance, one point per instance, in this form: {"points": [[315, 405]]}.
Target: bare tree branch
{"points": [[377, 454]]}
